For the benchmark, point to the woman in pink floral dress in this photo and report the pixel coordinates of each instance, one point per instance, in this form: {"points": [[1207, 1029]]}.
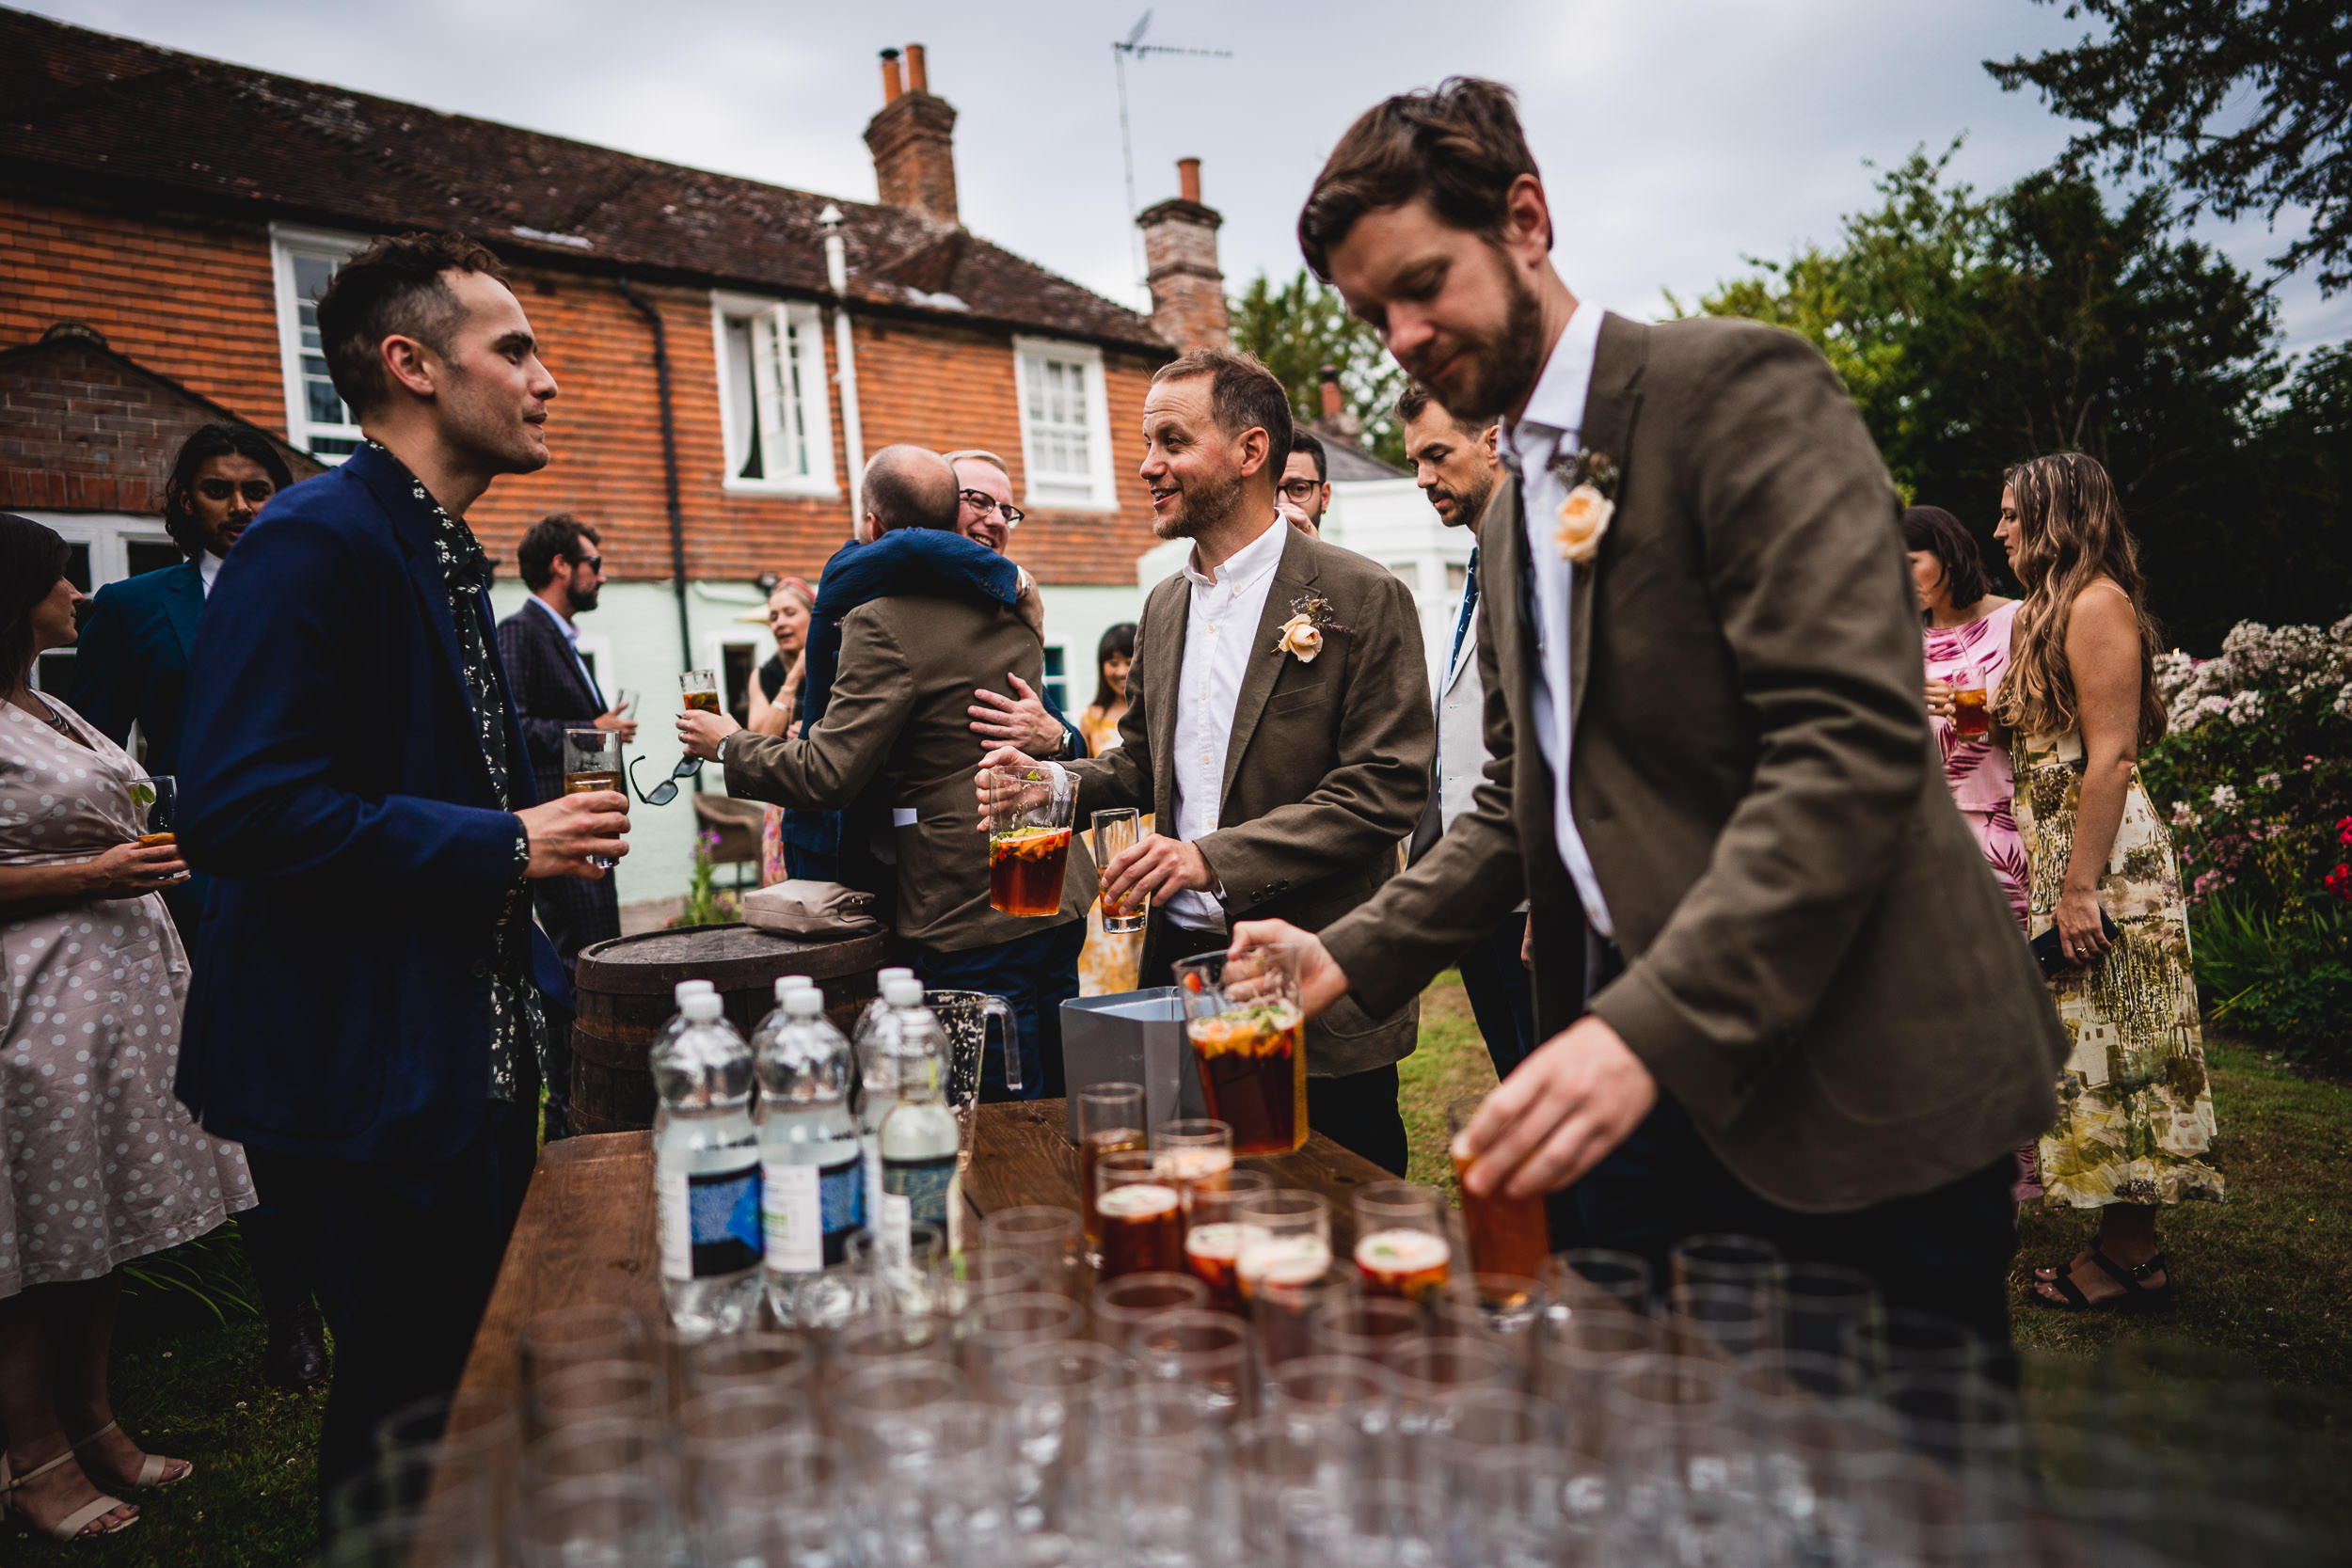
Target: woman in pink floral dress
{"points": [[1964, 633]]}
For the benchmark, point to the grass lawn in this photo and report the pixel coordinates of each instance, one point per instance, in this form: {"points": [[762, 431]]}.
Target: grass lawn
{"points": [[2264, 1276]]}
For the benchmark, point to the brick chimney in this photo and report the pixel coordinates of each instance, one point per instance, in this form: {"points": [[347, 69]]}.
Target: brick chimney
{"points": [[913, 141], [1180, 265]]}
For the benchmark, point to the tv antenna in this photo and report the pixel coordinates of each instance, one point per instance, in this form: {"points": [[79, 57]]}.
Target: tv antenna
{"points": [[1133, 46]]}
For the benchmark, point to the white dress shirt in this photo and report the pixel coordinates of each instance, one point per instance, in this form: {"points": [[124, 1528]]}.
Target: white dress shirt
{"points": [[1220, 636], [207, 568], [571, 639], [1549, 426]]}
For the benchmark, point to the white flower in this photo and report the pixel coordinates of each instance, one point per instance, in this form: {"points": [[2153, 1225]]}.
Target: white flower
{"points": [[1583, 519], [2268, 781], [1301, 639], [2224, 797]]}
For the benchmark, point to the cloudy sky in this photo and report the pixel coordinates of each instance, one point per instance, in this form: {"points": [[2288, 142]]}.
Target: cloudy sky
{"points": [[1675, 135]]}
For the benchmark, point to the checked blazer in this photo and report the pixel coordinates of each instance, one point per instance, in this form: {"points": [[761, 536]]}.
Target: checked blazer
{"points": [[551, 696]]}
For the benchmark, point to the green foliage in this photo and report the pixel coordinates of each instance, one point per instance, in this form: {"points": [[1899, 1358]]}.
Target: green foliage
{"points": [[207, 1273], [705, 905], [2279, 979], [2274, 74], [1974, 332], [1302, 326]]}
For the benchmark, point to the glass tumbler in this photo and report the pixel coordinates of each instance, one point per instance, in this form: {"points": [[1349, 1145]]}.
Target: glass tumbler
{"points": [[1115, 831]]}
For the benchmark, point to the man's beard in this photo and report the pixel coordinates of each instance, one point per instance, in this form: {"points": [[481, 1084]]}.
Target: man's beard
{"points": [[1469, 506], [1200, 508], [586, 600], [1503, 370]]}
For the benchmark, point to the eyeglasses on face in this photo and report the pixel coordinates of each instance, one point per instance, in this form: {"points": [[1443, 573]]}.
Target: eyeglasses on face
{"points": [[1300, 489], [594, 562], [984, 503]]}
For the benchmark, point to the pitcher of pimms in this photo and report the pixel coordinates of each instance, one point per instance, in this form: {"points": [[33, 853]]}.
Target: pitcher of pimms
{"points": [[1030, 807], [1249, 1039]]}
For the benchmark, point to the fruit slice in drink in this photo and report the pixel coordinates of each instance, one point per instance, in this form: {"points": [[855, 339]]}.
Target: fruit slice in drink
{"points": [[1402, 1264], [1254, 1073], [1143, 1230], [1025, 870]]}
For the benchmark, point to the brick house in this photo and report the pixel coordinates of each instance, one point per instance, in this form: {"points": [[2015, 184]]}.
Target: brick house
{"points": [[729, 350]]}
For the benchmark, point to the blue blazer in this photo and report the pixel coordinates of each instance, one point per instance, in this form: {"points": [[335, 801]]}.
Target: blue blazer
{"points": [[334, 788], [131, 666]]}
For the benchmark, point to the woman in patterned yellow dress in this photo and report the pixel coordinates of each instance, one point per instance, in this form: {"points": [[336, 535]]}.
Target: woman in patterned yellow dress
{"points": [[2134, 1110], [1109, 961]]}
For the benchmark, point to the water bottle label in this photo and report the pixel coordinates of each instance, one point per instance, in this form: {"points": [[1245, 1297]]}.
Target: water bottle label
{"points": [[928, 1188], [842, 1206], [712, 1219], [794, 1212]]}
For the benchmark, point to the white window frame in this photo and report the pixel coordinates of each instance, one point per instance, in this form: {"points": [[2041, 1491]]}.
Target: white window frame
{"points": [[286, 242], [806, 324], [1100, 493]]}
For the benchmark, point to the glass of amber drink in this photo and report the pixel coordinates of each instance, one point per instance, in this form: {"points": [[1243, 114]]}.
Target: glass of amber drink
{"points": [[1971, 718], [1028, 836], [1195, 1153], [155, 801], [1249, 1039], [1142, 1216], [700, 690], [1507, 1235], [1402, 1248], [1213, 1237], [591, 762], [1114, 832], [1110, 1121]]}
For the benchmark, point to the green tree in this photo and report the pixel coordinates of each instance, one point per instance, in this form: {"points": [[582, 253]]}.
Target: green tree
{"points": [[1300, 327], [1975, 333], [2246, 103]]}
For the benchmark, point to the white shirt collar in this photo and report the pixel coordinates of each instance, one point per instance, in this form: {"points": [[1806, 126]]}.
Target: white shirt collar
{"points": [[207, 568], [1557, 405], [571, 631], [1244, 565]]}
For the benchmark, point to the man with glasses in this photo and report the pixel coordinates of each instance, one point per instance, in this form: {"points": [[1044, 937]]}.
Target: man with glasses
{"points": [[554, 690], [1306, 487], [986, 515]]}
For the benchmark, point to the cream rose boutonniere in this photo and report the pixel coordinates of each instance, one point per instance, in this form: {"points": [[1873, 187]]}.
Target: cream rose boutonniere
{"points": [[1592, 501], [1302, 634], [1301, 639]]}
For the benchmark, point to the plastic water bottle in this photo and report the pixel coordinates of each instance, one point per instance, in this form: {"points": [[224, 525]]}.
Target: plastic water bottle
{"points": [[878, 1031], [812, 1177], [677, 1023], [705, 1164], [919, 1137]]}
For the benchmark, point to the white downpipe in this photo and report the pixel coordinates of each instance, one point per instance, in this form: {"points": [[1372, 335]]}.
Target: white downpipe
{"points": [[845, 354]]}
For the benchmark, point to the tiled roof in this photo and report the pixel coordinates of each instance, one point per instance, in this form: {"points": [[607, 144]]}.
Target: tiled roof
{"points": [[78, 106]]}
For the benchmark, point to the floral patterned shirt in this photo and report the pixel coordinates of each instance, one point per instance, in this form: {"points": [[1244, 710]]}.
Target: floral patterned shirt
{"points": [[518, 1019]]}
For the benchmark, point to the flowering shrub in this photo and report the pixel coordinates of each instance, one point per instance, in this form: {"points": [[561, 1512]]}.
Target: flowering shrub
{"points": [[2255, 777], [704, 904]]}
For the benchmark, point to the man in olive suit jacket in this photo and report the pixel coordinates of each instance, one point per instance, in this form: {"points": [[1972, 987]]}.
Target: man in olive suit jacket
{"points": [[1284, 770], [1811, 1015]]}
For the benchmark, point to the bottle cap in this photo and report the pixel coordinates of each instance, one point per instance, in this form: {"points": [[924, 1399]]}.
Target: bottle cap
{"points": [[691, 988], [802, 1002], [703, 1006], [883, 977], [902, 989], [788, 984]]}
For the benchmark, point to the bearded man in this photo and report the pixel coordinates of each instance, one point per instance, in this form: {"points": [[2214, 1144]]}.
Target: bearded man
{"points": [[1284, 769], [1809, 1016]]}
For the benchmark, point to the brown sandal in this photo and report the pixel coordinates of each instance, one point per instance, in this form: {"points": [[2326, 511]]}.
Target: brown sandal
{"points": [[2136, 1297]]}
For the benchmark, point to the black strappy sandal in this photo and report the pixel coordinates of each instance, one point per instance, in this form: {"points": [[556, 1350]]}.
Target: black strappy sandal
{"points": [[2136, 1297]]}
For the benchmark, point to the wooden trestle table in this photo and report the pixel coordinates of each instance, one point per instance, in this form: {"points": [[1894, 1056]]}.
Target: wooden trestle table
{"points": [[586, 1233]]}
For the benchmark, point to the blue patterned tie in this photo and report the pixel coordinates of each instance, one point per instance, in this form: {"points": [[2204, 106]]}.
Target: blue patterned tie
{"points": [[1469, 607]]}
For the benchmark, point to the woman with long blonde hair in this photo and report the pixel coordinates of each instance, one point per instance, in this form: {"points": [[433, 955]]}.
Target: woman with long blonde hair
{"points": [[2079, 700]]}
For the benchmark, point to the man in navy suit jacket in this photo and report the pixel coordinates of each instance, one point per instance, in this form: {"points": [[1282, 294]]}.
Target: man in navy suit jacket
{"points": [[131, 666], [366, 1015]]}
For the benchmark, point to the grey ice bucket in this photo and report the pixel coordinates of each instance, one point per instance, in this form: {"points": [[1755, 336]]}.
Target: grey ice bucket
{"points": [[1134, 1036]]}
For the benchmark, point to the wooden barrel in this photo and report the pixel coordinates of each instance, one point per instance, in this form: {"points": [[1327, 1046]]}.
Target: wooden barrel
{"points": [[625, 990]]}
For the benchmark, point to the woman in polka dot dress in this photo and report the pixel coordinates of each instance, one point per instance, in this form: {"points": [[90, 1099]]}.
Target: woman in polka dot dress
{"points": [[102, 1163]]}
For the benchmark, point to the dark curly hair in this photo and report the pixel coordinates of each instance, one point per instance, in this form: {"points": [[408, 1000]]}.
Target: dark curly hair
{"points": [[1459, 148], [394, 286], [32, 559], [205, 443]]}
